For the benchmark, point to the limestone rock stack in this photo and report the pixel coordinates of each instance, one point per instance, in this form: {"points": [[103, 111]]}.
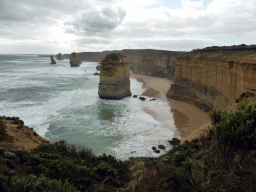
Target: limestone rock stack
{"points": [[52, 60], [114, 77], [75, 60], [59, 56], [213, 79]]}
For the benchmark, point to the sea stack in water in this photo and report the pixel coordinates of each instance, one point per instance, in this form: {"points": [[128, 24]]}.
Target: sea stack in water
{"points": [[114, 77], [59, 56], [75, 60], [52, 60]]}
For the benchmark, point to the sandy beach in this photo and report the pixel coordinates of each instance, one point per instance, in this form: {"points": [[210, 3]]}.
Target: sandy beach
{"points": [[186, 118]]}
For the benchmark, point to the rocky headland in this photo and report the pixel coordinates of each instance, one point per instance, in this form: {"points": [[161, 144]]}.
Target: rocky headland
{"points": [[19, 135], [214, 78], [114, 77], [75, 60]]}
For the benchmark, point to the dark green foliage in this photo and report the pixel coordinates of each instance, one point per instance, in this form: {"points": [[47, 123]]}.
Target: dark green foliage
{"points": [[113, 57], [59, 167], [236, 130], [2, 130], [39, 183]]}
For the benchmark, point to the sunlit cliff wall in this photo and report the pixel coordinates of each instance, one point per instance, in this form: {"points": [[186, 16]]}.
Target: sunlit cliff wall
{"points": [[151, 62], [213, 79]]}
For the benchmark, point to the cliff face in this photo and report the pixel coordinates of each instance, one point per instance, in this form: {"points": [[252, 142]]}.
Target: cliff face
{"points": [[150, 62], [86, 56], [213, 79], [114, 77]]}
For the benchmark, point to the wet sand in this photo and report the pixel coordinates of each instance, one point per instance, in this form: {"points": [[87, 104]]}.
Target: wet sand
{"points": [[186, 118]]}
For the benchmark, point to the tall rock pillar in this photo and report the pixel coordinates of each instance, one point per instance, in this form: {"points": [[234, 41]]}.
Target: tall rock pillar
{"points": [[75, 60], [114, 77]]}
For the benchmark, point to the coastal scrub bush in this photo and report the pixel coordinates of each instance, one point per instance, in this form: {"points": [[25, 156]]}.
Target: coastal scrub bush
{"points": [[76, 164], [2, 130], [112, 56], [39, 183], [235, 130]]}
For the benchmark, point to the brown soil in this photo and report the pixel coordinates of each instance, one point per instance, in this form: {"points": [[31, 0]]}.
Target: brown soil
{"points": [[24, 138]]}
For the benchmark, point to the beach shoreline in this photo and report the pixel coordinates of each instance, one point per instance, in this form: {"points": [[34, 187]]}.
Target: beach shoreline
{"points": [[185, 117]]}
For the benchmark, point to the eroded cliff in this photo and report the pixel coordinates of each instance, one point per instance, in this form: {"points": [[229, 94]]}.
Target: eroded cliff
{"points": [[86, 56], [150, 62], [213, 79]]}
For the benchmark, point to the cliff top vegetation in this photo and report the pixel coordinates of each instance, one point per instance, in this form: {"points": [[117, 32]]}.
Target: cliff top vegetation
{"points": [[246, 56], [113, 57], [241, 47]]}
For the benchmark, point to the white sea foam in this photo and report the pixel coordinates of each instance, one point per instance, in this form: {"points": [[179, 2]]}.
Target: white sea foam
{"points": [[67, 106]]}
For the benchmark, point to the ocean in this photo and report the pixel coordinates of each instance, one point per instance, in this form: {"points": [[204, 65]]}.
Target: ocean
{"points": [[62, 103]]}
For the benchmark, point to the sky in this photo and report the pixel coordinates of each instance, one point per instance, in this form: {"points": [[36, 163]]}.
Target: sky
{"points": [[53, 26]]}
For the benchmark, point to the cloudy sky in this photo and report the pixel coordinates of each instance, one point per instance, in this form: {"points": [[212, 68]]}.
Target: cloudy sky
{"points": [[52, 26]]}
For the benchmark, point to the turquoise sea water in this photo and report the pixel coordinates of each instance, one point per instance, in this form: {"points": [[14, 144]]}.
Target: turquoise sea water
{"points": [[61, 102]]}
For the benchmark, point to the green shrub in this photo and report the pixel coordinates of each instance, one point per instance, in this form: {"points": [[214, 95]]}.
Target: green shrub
{"points": [[236, 130], [2, 130], [39, 183], [113, 57]]}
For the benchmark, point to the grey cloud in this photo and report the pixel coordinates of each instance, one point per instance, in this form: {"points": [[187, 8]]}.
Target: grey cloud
{"points": [[177, 44], [97, 22], [92, 40], [30, 10]]}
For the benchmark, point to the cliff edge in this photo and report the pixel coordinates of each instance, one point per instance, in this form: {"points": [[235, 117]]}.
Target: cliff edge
{"points": [[213, 79]]}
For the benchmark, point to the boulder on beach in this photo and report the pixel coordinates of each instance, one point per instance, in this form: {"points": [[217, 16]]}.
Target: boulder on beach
{"points": [[75, 60], [96, 74], [52, 60], [135, 96], [174, 141], [59, 56], [161, 147], [98, 67], [142, 98], [157, 151], [153, 148]]}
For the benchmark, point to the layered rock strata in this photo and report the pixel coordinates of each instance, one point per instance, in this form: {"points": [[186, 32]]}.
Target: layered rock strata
{"points": [[75, 60], [114, 77], [59, 56], [213, 79], [150, 62], [52, 60]]}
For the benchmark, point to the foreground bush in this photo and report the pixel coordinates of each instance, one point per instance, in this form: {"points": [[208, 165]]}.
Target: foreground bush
{"points": [[35, 183], [2, 130], [53, 167]]}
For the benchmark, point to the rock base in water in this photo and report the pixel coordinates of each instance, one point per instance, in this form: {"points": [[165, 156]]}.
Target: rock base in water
{"points": [[115, 91]]}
